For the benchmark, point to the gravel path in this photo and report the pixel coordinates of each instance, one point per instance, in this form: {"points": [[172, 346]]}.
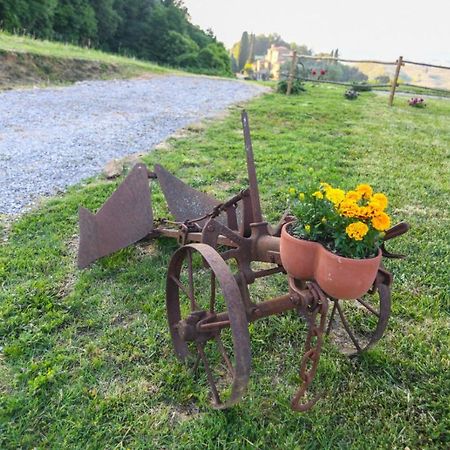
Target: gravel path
{"points": [[53, 138]]}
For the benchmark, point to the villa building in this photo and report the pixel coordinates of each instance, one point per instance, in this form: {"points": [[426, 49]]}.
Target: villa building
{"points": [[269, 66]]}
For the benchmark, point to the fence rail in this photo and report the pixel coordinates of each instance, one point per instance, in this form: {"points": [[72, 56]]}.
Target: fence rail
{"points": [[399, 64]]}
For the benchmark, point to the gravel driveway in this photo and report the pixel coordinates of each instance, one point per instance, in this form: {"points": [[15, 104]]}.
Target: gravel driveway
{"points": [[53, 138]]}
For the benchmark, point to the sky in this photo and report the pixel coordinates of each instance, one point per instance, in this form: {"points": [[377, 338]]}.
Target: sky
{"points": [[418, 30]]}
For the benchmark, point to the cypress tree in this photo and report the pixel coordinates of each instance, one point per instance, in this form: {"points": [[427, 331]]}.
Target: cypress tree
{"points": [[251, 52], [244, 50]]}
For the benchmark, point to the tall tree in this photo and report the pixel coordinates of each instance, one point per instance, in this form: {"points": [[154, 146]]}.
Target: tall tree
{"points": [[251, 52], [244, 49], [108, 21]]}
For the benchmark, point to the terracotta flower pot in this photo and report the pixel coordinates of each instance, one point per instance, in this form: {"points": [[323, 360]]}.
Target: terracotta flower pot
{"points": [[298, 255], [339, 277]]}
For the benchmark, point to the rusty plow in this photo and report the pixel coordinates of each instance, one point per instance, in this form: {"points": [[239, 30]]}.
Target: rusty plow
{"points": [[208, 301]]}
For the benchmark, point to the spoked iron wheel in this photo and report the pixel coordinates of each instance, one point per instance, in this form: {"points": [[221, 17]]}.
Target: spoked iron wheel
{"points": [[356, 325], [200, 286]]}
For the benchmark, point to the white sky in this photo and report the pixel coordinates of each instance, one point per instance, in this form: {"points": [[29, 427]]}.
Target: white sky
{"points": [[416, 29]]}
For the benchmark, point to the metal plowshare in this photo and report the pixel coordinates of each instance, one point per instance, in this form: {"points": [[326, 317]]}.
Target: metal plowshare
{"points": [[207, 293]]}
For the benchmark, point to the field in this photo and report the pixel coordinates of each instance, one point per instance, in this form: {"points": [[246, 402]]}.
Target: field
{"points": [[86, 359], [419, 75]]}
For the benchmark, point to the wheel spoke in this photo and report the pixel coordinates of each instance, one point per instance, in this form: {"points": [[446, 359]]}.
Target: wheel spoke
{"points": [[180, 285], [191, 281], [201, 352], [347, 326], [368, 306], [212, 300], [224, 354], [330, 323]]}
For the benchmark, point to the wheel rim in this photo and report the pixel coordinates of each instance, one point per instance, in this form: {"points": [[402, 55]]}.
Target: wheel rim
{"points": [[192, 299], [356, 325]]}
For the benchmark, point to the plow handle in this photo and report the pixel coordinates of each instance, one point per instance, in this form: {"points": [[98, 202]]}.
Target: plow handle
{"points": [[253, 181]]}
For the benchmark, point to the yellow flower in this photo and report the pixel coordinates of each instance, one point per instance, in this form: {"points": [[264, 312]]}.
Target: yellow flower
{"points": [[357, 230], [308, 228], [348, 208], [324, 220], [301, 196], [365, 190], [292, 191], [318, 195], [325, 186], [381, 222], [365, 212], [381, 199], [335, 195], [353, 195]]}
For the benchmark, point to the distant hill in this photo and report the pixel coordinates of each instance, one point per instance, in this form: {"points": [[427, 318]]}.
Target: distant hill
{"points": [[422, 76]]}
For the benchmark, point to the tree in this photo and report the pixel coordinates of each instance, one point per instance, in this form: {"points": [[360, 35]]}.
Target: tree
{"points": [[108, 21], [244, 50], [74, 21], [251, 52], [234, 64], [157, 30]]}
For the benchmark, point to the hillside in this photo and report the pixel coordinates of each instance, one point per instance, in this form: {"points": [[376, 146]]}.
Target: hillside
{"points": [[423, 76], [25, 61], [152, 30]]}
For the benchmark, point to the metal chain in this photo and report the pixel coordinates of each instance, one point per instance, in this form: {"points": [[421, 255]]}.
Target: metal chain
{"points": [[317, 308]]}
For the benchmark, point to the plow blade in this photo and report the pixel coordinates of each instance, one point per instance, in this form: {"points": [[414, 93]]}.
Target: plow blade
{"points": [[184, 202], [125, 218]]}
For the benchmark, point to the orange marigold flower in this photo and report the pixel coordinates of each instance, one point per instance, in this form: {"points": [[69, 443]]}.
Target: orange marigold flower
{"points": [[374, 208], [365, 190], [381, 199], [357, 230], [353, 195], [348, 208], [365, 212], [381, 222]]}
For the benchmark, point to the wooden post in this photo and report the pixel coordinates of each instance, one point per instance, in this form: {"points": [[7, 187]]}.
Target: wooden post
{"points": [[395, 82], [292, 73]]}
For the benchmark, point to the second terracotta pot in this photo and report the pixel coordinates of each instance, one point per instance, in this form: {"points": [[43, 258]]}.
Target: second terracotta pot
{"points": [[339, 277]]}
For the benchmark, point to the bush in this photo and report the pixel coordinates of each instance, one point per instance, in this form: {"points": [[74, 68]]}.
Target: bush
{"points": [[351, 94], [417, 102], [297, 87]]}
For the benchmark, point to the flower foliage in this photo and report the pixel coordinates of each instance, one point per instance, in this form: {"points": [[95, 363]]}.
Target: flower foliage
{"points": [[351, 224], [417, 102]]}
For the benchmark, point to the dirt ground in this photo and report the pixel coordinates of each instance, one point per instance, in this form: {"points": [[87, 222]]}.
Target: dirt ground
{"points": [[24, 69]]}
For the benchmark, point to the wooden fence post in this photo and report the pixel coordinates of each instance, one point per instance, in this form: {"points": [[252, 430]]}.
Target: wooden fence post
{"points": [[395, 82], [292, 73]]}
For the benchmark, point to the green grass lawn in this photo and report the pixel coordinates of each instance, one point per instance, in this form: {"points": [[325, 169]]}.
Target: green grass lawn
{"points": [[86, 359]]}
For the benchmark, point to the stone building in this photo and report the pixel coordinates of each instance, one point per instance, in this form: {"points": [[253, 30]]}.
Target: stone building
{"points": [[269, 66]]}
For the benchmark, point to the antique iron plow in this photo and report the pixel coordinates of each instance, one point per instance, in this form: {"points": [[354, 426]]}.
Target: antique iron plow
{"points": [[208, 279]]}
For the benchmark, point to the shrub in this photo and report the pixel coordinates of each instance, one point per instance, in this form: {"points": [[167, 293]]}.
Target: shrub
{"points": [[297, 87], [351, 94], [417, 102]]}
